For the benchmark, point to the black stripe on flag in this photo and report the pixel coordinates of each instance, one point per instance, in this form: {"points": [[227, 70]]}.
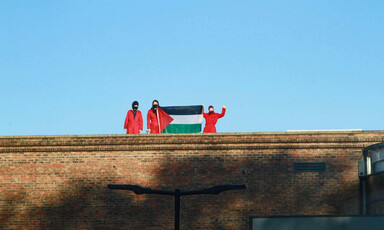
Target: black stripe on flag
{"points": [[183, 110]]}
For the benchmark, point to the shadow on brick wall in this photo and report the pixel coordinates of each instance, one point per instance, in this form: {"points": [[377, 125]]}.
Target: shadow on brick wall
{"points": [[273, 189], [92, 205], [10, 207]]}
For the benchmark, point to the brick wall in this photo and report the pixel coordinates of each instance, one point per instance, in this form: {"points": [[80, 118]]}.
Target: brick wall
{"points": [[60, 182]]}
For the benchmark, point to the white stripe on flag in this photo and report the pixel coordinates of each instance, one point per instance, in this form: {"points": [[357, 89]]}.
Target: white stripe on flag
{"points": [[187, 119]]}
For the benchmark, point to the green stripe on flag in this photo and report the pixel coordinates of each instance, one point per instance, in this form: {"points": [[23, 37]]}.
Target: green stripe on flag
{"points": [[183, 128]]}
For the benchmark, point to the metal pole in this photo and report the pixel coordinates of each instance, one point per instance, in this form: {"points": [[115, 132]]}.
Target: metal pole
{"points": [[177, 209], [158, 119]]}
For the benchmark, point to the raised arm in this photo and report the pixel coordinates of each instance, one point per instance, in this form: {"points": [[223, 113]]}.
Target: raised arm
{"points": [[204, 114], [223, 111]]}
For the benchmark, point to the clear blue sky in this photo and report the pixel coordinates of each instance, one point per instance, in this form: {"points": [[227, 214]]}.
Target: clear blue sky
{"points": [[74, 67]]}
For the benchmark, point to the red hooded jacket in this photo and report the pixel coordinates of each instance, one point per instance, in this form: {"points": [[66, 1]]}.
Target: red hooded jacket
{"points": [[211, 120], [152, 122], [133, 124]]}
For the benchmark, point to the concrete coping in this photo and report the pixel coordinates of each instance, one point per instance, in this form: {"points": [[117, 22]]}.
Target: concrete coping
{"points": [[288, 132]]}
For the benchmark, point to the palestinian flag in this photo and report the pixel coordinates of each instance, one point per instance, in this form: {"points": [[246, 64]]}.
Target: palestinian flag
{"points": [[186, 119], [163, 119]]}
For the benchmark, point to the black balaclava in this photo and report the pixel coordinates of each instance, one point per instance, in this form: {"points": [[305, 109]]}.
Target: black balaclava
{"points": [[155, 106], [135, 107]]}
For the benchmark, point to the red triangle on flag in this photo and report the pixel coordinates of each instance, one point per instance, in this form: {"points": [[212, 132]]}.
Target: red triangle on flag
{"points": [[164, 119]]}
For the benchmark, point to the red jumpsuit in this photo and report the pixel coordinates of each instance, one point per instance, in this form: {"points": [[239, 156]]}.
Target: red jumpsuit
{"points": [[211, 120], [152, 123], [133, 124]]}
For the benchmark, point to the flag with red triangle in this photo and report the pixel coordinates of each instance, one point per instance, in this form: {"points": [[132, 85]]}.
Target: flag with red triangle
{"points": [[163, 118], [186, 119]]}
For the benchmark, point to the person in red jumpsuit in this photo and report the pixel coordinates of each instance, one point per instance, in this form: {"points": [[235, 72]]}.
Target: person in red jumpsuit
{"points": [[152, 123], [211, 119], [134, 120]]}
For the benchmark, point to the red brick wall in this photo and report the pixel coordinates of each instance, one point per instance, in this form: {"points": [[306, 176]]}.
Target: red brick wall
{"points": [[60, 182]]}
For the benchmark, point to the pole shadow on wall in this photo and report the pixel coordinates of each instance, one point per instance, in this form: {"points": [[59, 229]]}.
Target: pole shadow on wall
{"points": [[177, 194]]}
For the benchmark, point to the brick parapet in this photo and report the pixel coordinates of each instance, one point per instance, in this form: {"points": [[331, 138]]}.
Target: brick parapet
{"points": [[50, 181], [357, 139]]}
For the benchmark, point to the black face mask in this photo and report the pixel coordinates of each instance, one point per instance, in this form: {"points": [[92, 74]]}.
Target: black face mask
{"points": [[135, 107], [154, 108]]}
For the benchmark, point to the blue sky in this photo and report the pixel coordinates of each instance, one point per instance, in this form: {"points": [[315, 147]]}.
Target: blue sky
{"points": [[74, 67]]}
